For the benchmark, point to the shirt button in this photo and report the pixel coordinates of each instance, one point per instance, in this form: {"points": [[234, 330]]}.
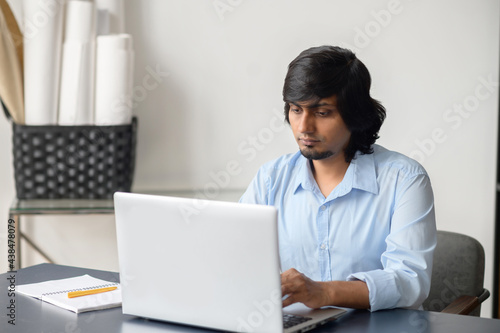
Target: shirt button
{"points": [[323, 246], [323, 207]]}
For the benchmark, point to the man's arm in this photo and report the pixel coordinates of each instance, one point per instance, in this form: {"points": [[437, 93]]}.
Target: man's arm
{"points": [[299, 288]]}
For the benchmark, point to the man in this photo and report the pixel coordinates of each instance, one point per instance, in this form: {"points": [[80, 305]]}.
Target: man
{"points": [[356, 221]]}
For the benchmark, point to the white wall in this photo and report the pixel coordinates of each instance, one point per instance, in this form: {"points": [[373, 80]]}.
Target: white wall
{"points": [[217, 99]]}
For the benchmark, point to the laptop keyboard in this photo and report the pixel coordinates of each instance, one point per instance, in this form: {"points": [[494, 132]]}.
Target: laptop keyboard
{"points": [[290, 320]]}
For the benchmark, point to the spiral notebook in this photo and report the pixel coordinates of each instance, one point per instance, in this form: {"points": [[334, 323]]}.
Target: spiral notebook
{"points": [[56, 293]]}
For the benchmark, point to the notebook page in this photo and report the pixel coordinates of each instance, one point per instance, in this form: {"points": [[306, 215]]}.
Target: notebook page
{"points": [[106, 300], [56, 292]]}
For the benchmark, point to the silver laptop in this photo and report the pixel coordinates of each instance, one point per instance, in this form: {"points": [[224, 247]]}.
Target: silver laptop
{"points": [[205, 263]]}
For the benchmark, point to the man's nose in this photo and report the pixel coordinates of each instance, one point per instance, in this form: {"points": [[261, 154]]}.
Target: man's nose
{"points": [[306, 124]]}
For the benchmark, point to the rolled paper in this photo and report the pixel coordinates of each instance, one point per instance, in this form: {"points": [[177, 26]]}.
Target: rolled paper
{"points": [[114, 80], [15, 31], [76, 105], [11, 80], [42, 38]]}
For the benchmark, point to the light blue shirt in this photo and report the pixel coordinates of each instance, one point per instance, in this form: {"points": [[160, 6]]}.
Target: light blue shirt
{"points": [[377, 225]]}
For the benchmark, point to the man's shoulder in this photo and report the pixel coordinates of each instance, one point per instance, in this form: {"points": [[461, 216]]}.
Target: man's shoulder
{"points": [[388, 159]]}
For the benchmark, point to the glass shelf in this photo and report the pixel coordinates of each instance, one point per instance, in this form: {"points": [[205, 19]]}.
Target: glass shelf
{"points": [[61, 206], [20, 207], [102, 206]]}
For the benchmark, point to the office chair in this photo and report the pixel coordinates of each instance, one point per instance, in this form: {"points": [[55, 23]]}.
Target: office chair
{"points": [[457, 275]]}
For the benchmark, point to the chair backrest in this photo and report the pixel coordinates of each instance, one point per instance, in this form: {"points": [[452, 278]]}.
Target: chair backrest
{"points": [[458, 269]]}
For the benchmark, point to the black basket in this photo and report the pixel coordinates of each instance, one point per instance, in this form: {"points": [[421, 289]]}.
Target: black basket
{"points": [[73, 162]]}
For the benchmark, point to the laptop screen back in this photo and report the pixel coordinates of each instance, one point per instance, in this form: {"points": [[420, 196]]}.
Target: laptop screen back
{"points": [[198, 262]]}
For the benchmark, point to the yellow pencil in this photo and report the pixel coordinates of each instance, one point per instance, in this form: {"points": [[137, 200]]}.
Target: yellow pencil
{"points": [[89, 292]]}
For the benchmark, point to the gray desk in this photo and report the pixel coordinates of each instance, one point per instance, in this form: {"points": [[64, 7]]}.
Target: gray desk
{"points": [[34, 316]]}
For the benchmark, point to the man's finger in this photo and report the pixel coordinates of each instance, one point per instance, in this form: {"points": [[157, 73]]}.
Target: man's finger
{"points": [[289, 288], [287, 301], [285, 291]]}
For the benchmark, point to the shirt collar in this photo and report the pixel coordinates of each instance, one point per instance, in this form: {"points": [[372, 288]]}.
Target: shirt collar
{"points": [[361, 175], [304, 178], [365, 175]]}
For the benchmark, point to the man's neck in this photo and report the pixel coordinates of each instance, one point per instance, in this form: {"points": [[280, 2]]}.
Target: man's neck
{"points": [[328, 173]]}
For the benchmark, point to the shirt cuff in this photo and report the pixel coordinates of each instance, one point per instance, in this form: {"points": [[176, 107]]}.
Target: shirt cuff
{"points": [[382, 288]]}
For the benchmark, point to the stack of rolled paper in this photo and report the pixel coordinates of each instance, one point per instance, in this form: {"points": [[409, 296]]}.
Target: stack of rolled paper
{"points": [[67, 71]]}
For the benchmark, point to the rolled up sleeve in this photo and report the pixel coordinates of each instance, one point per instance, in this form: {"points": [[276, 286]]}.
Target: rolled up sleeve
{"points": [[405, 278]]}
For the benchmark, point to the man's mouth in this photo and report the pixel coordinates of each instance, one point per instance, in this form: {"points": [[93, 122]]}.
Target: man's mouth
{"points": [[308, 141]]}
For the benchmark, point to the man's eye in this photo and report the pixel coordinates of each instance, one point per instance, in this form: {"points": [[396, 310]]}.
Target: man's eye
{"points": [[294, 110], [323, 114]]}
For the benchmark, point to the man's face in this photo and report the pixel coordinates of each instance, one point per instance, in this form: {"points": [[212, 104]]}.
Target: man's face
{"points": [[319, 129]]}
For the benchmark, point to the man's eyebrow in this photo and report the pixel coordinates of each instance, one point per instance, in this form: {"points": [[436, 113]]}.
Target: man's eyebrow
{"points": [[317, 105], [314, 106]]}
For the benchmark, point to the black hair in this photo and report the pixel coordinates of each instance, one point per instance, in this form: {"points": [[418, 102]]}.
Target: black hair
{"points": [[325, 71]]}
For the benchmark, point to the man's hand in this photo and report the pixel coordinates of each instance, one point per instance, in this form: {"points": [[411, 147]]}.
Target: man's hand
{"points": [[300, 288]]}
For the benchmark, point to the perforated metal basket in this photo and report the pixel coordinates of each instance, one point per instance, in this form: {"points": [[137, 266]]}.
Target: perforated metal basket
{"points": [[73, 162]]}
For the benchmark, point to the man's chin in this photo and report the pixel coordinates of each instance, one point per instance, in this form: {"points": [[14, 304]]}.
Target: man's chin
{"points": [[312, 154]]}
